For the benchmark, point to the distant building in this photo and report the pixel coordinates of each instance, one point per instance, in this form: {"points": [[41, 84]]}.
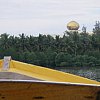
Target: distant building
{"points": [[73, 26]]}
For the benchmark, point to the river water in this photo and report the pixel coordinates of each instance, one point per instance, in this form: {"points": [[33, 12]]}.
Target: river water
{"points": [[91, 73]]}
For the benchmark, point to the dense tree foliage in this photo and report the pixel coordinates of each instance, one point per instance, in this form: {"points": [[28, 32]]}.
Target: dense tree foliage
{"points": [[73, 49]]}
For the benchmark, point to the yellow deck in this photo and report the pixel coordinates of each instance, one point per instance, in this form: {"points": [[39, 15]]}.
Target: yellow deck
{"points": [[45, 73], [50, 84]]}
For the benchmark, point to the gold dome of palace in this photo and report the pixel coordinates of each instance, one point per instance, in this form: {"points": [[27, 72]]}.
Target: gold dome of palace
{"points": [[73, 25]]}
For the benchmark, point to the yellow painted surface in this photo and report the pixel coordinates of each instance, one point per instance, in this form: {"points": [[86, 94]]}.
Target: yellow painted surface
{"points": [[1, 61], [31, 90], [41, 91], [46, 73]]}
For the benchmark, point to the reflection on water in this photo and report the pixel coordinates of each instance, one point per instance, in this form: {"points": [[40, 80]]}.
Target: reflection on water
{"points": [[91, 73]]}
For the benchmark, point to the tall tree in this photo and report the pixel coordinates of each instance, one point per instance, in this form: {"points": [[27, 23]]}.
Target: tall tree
{"points": [[96, 29], [4, 41]]}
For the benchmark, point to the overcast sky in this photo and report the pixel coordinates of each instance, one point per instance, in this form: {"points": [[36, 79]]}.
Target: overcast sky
{"points": [[46, 16]]}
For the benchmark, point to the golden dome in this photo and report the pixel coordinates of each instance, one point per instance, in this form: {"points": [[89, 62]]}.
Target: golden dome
{"points": [[73, 25]]}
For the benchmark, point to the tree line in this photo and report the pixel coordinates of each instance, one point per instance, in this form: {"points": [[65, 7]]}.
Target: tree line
{"points": [[71, 50]]}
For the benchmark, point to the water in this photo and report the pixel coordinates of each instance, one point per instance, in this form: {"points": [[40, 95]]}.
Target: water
{"points": [[91, 73]]}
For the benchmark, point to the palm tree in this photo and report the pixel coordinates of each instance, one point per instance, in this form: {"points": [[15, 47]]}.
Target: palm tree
{"points": [[4, 41]]}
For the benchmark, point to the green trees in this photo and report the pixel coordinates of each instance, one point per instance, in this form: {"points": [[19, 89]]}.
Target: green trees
{"points": [[73, 49], [96, 29], [4, 41], [84, 61], [63, 59]]}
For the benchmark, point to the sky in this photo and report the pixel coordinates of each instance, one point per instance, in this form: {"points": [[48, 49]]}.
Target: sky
{"points": [[46, 16]]}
